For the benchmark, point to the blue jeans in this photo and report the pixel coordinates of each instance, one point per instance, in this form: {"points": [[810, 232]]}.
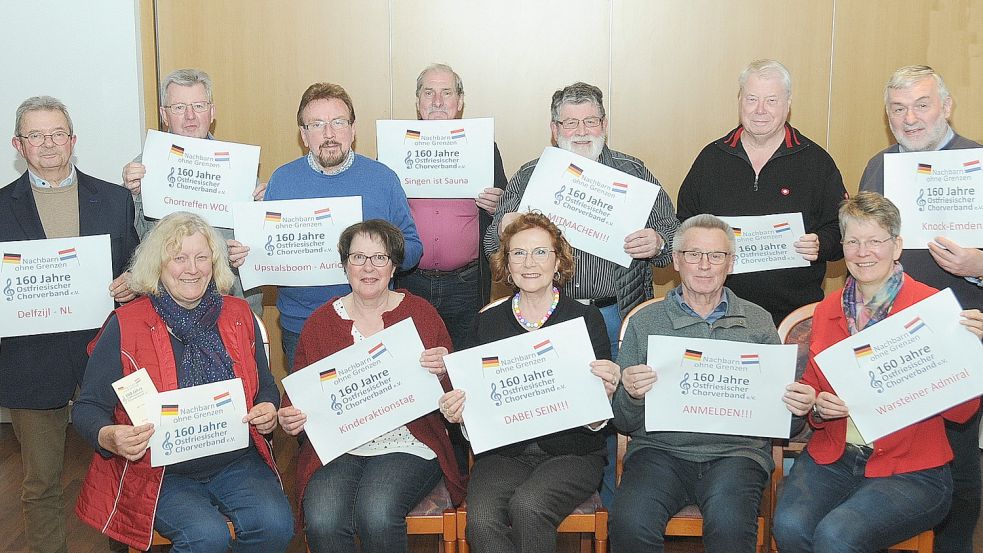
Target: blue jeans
{"points": [[455, 294], [192, 513], [370, 496], [834, 508], [612, 321], [289, 340], [655, 486]]}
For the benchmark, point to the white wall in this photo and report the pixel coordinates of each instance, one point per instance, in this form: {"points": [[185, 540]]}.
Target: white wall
{"points": [[87, 54]]}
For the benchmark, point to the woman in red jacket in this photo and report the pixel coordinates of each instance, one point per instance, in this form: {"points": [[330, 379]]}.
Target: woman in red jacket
{"points": [[185, 333], [369, 490], [842, 493]]}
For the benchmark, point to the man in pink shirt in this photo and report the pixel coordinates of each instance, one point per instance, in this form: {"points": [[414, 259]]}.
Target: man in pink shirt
{"points": [[452, 275]]}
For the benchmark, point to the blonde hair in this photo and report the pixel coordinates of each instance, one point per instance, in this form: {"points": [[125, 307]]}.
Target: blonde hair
{"points": [[164, 242]]}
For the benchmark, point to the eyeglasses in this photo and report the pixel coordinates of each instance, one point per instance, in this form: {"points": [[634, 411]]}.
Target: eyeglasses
{"points": [[571, 124], [359, 259], [693, 257], [853, 244], [59, 138], [337, 124], [539, 255], [197, 107]]}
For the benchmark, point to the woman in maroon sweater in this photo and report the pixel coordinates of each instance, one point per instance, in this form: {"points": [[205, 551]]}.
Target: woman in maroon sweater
{"points": [[369, 490]]}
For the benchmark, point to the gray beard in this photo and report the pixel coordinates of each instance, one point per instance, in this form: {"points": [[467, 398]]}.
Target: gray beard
{"points": [[593, 153]]}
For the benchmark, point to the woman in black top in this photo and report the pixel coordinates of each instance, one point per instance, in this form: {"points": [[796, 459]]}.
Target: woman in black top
{"points": [[518, 494]]}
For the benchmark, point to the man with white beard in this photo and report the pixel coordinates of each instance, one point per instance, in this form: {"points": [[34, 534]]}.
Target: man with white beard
{"points": [[918, 107], [579, 125]]}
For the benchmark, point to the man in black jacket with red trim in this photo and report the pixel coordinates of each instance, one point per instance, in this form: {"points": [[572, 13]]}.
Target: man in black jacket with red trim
{"points": [[765, 167]]}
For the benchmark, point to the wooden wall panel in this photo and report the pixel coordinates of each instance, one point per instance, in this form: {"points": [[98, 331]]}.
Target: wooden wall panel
{"points": [[675, 67], [873, 38], [262, 56], [511, 55]]}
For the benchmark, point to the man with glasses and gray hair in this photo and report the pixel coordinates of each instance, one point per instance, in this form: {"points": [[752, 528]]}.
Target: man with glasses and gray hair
{"points": [[764, 167], [665, 471], [452, 275], [39, 374], [918, 107], [579, 125], [187, 110]]}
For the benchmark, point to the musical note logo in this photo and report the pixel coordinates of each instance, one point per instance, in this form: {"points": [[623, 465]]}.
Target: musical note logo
{"points": [[269, 244], [495, 396], [558, 197], [171, 179], [409, 159], [875, 383], [335, 405], [8, 290], [167, 445], [921, 199], [684, 384]]}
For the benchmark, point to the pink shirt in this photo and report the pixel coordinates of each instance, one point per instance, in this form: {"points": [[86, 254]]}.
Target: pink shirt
{"points": [[448, 229]]}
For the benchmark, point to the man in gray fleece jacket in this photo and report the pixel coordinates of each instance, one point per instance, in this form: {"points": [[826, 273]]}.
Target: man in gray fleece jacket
{"points": [[664, 471]]}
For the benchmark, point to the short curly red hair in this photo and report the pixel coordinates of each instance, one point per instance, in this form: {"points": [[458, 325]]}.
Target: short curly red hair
{"points": [[564, 253]]}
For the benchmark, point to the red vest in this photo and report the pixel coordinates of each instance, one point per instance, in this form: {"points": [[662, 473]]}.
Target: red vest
{"points": [[119, 497]]}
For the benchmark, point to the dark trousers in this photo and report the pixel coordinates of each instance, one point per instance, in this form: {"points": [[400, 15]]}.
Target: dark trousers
{"points": [[516, 503], [656, 485], [955, 533]]}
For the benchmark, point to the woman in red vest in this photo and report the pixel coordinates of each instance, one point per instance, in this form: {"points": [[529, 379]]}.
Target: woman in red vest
{"points": [[185, 332]]}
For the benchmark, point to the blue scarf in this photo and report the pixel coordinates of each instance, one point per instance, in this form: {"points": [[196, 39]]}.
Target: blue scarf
{"points": [[878, 307], [205, 359]]}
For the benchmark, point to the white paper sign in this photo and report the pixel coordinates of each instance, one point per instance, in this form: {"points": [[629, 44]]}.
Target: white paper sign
{"points": [[914, 364], [451, 158], [938, 194], [529, 385], [139, 398], [364, 390], [204, 177], [55, 285], [719, 387], [199, 421], [595, 206], [294, 242], [765, 242]]}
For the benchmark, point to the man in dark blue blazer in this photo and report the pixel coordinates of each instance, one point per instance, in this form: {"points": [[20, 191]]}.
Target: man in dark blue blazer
{"points": [[38, 374]]}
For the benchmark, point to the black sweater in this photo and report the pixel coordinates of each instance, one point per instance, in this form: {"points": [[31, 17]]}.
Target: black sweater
{"points": [[499, 323], [799, 177]]}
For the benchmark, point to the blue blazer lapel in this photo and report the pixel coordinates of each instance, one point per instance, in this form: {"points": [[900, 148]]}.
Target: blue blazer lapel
{"points": [[90, 207], [25, 210]]}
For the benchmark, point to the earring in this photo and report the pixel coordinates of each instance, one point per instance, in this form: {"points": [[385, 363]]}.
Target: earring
{"points": [[556, 276], [508, 278]]}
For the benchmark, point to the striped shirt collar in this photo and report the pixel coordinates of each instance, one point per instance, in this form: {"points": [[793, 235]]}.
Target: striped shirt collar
{"points": [[312, 161], [41, 183], [714, 316]]}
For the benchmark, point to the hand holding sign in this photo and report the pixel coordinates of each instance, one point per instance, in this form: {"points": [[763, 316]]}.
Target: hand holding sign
{"points": [[126, 441]]}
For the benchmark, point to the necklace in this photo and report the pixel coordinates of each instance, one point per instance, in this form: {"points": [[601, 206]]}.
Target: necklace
{"points": [[534, 324]]}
